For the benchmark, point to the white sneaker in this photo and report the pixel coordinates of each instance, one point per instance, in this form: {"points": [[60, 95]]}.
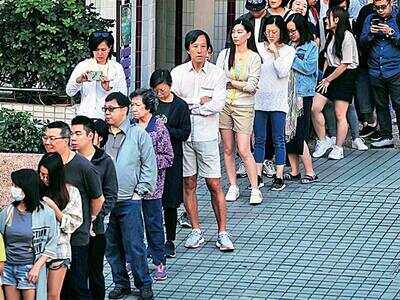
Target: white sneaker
{"points": [[359, 144], [321, 147], [336, 153], [195, 239], [268, 168], [333, 140], [224, 243], [383, 143], [255, 197], [233, 193]]}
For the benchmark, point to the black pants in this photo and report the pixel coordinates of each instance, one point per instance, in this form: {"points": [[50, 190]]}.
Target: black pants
{"points": [[383, 89], [97, 248], [170, 219], [76, 280]]}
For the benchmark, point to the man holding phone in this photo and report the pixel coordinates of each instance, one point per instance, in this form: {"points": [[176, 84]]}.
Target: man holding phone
{"points": [[381, 35]]}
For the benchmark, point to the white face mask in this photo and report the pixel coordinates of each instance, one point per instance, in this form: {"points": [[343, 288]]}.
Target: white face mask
{"points": [[17, 193]]}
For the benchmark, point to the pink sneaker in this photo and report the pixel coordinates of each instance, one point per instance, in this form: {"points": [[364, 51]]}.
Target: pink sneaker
{"points": [[161, 273]]}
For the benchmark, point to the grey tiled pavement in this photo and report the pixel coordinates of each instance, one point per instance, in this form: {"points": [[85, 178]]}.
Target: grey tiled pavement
{"points": [[338, 238]]}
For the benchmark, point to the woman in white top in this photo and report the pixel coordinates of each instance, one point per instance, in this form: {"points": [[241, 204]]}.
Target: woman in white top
{"points": [[337, 84], [66, 202], [271, 101], [242, 65], [97, 76]]}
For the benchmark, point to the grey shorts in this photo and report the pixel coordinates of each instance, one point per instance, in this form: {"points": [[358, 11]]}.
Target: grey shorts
{"points": [[201, 158]]}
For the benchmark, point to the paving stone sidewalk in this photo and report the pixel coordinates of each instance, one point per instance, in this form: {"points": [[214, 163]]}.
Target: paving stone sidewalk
{"points": [[337, 238]]}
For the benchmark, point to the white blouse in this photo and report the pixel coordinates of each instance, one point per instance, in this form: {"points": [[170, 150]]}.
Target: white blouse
{"points": [[272, 93], [92, 93]]}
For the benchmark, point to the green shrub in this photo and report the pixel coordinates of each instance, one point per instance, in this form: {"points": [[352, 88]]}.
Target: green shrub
{"points": [[42, 40], [19, 132]]}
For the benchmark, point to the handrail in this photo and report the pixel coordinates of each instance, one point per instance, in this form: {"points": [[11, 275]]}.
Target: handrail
{"points": [[12, 89]]}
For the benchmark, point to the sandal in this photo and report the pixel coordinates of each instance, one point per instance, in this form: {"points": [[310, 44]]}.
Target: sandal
{"points": [[290, 177], [309, 179]]}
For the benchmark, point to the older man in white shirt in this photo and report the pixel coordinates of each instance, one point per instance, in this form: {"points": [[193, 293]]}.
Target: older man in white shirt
{"points": [[203, 86]]}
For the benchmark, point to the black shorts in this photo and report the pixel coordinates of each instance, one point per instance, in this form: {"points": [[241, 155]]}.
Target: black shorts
{"points": [[342, 88]]}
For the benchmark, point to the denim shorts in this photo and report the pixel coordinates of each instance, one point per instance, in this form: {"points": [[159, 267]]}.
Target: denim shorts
{"points": [[17, 275]]}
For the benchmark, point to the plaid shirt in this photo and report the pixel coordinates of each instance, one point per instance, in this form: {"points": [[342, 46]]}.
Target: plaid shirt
{"points": [[71, 220]]}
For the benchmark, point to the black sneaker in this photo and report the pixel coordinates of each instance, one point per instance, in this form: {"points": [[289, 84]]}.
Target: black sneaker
{"points": [[278, 184], [260, 183], [367, 131], [184, 221], [170, 249], [119, 293], [146, 293], [376, 136]]}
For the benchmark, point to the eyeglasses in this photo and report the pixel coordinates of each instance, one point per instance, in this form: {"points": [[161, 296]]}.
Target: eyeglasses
{"points": [[271, 32], [293, 31], [381, 7], [103, 34], [52, 139], [111, 109]]}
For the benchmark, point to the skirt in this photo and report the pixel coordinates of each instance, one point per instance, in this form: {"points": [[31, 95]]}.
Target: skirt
{"points": [[296, 145]]}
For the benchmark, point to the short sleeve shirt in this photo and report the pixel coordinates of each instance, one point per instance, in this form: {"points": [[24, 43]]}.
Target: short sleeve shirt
{"points": [[80, 173], [349, 52]]}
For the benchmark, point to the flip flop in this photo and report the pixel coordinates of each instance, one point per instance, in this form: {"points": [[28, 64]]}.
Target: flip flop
{"points": [[290, 177], [309, 179]]}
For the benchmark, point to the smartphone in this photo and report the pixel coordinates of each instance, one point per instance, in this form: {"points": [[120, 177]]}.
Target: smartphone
{"points": [[375, 21], [95, 75]]}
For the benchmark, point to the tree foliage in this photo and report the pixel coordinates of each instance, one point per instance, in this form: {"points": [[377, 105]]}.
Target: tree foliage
{"points": [[42, 40], [19, 132]]}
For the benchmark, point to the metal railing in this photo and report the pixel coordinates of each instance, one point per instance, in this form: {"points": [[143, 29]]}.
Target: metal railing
{"points": [[10, 93]]}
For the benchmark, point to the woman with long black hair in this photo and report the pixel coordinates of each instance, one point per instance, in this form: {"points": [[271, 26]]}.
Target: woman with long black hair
{"points": [[31, 236], [337, 84], [242, 65], [305, 68], [65, 201]]}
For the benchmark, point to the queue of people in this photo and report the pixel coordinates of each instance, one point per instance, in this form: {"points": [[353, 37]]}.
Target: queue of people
{"points": [[136, 159]]}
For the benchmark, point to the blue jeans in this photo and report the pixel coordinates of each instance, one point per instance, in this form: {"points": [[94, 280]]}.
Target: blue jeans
{"points": [[125, 244], [278, 120], [76, 280], [153, 222]]}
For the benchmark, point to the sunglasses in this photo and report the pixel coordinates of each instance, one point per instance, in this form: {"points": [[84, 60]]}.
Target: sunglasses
{"points": [[381, 7], [103, 34]]}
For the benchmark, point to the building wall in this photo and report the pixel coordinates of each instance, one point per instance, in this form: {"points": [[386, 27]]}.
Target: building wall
{"points": [[220, 9], [44, 112], [158, 29], [165, 34]]}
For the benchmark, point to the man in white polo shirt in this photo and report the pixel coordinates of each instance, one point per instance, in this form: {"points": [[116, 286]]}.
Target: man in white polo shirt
{"points": [[203, 86]]}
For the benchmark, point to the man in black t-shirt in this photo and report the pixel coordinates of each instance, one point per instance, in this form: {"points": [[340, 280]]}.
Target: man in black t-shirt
{"points": [[80, 173]]}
